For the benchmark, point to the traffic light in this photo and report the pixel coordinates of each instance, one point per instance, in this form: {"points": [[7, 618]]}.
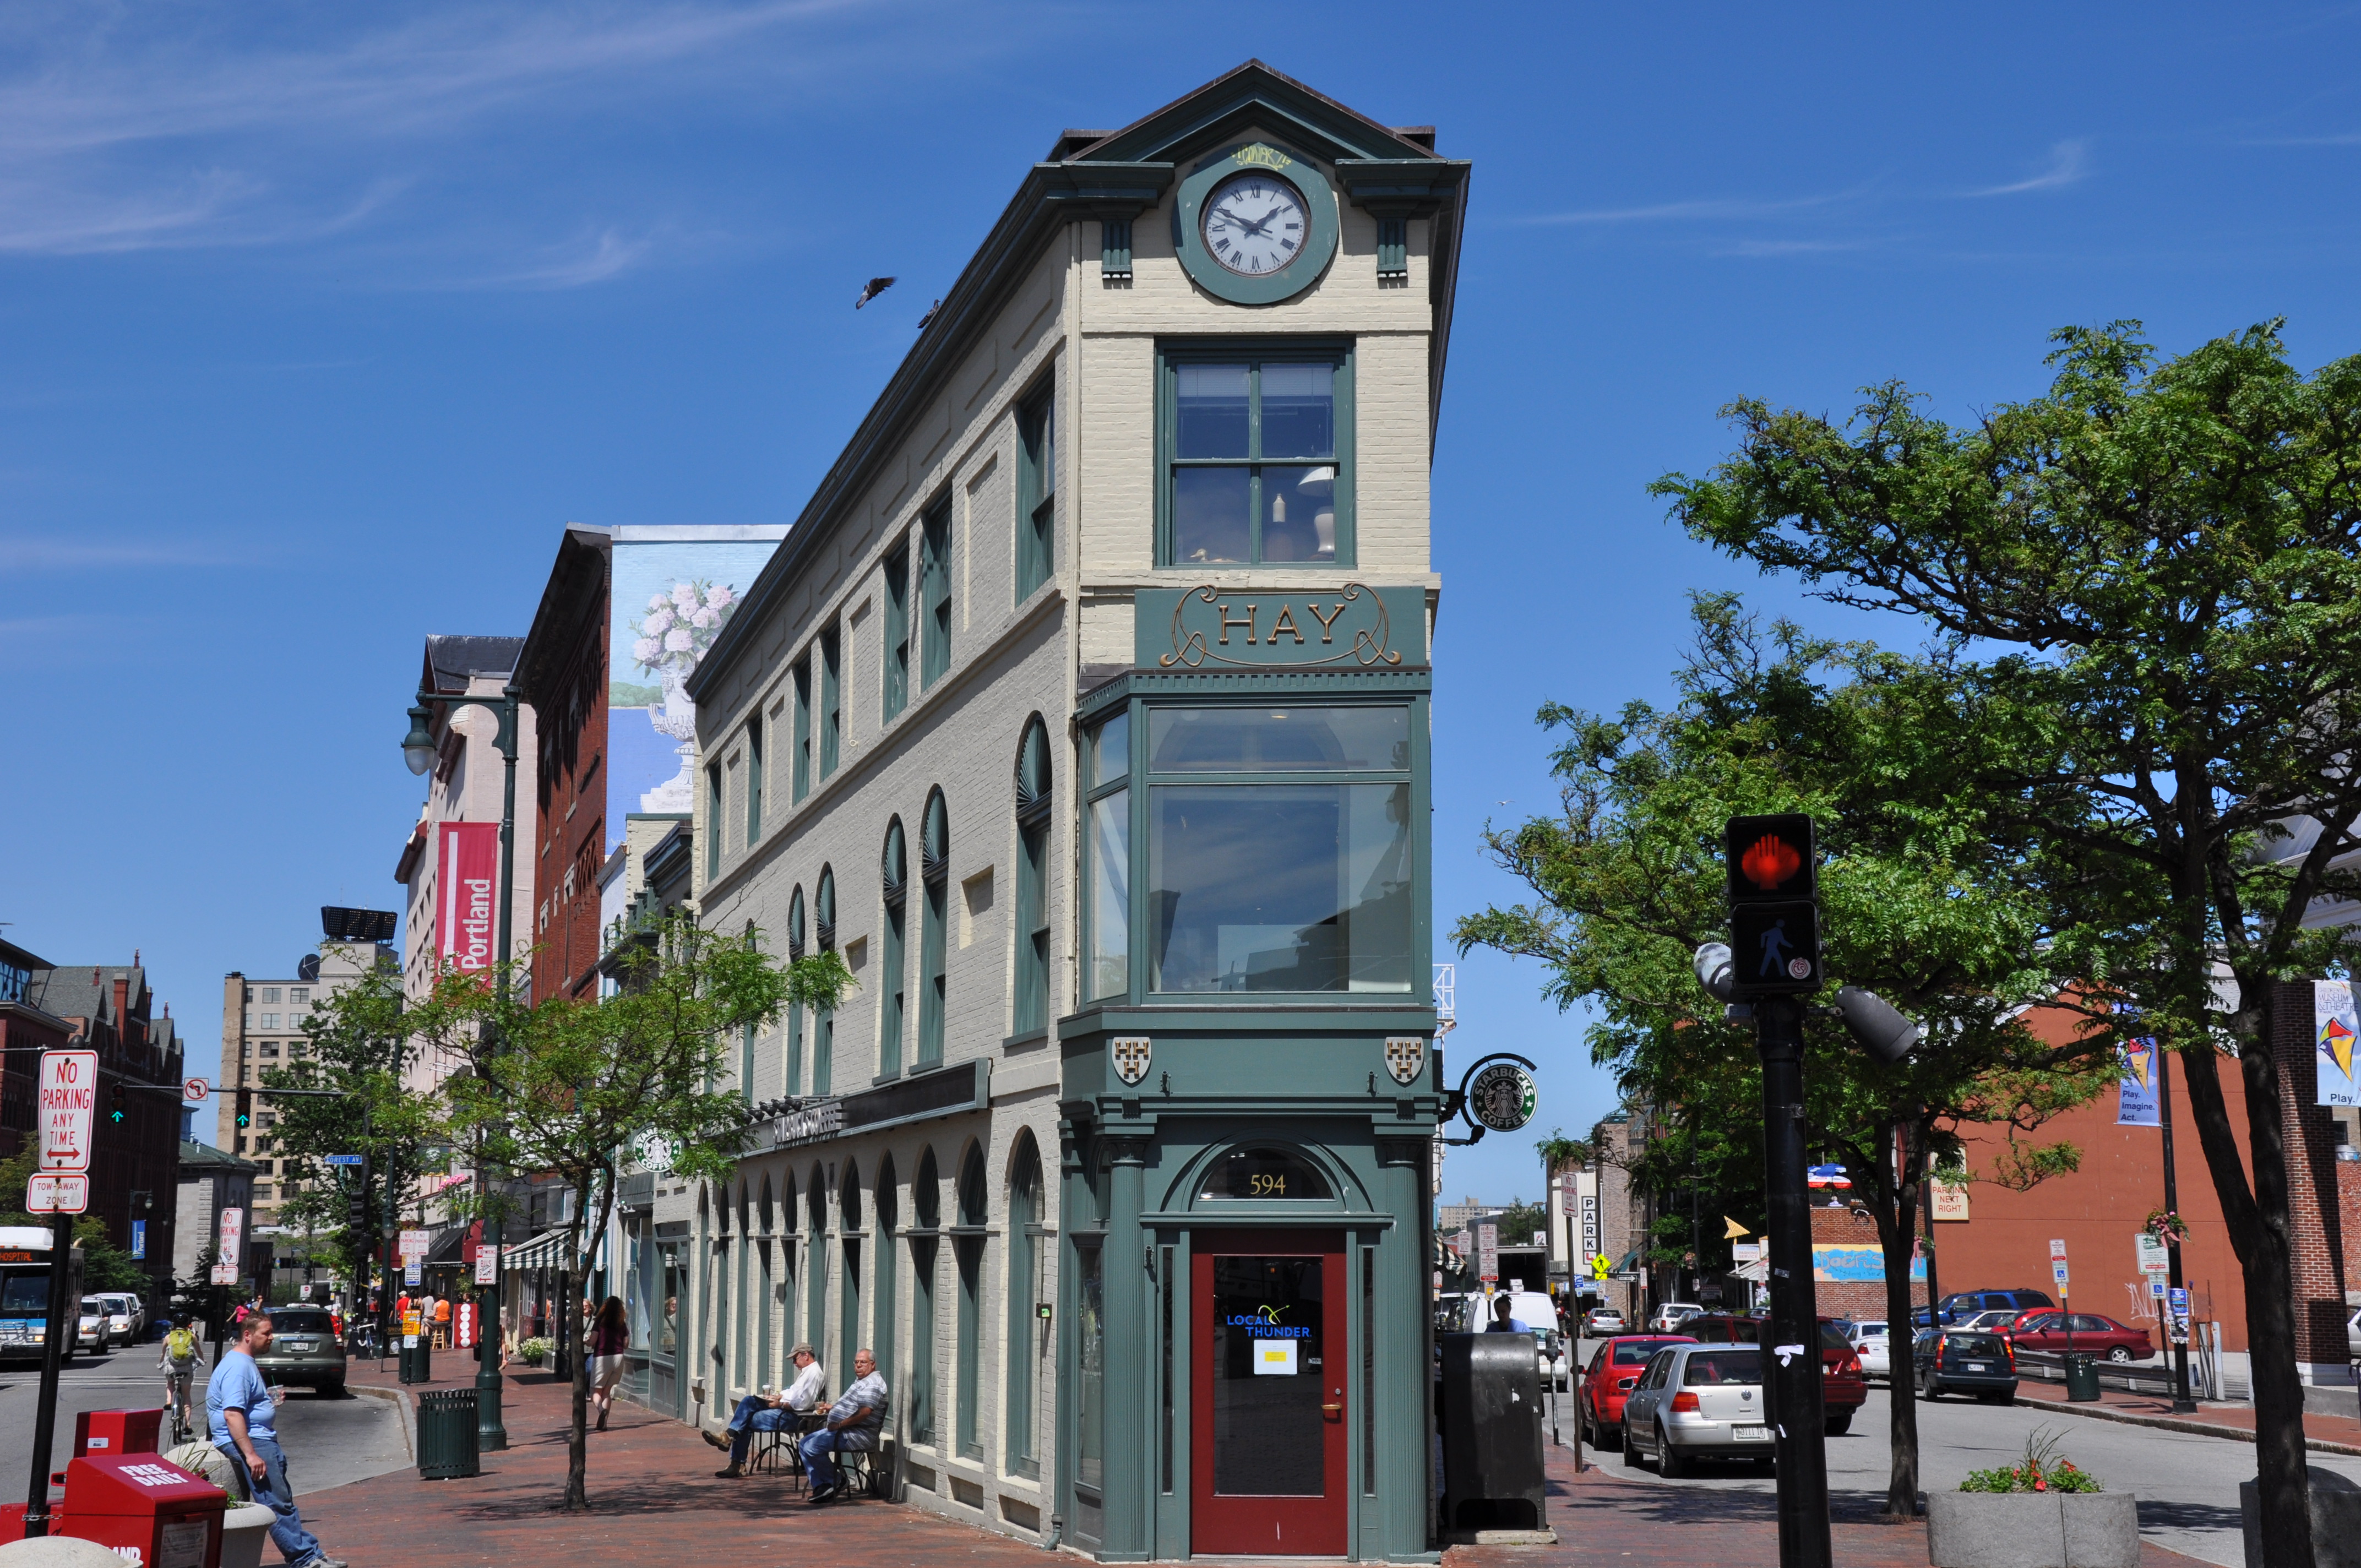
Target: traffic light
{"points": [[1775, 926], [244, 1109], [116, 1099], [356, 1209]]}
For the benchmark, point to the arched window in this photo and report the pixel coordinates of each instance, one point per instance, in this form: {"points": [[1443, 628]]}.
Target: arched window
{"points": [[935, 868], [766, 1298], [815, 1262], [882, 1271], [1025, 1295], [893, 871], [788, 1219], [1031, 1011], [968, 1249], [824, 1021], [927, 1207], [795, 1014], [847, 1204], [746, 1035]]}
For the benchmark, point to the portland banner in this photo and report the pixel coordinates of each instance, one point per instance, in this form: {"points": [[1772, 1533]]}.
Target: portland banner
{"points": [[2135, 1102], [2332, 1028], [467, 870]]}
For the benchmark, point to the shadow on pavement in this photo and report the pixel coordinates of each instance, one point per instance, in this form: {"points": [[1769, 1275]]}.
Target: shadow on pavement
{"points": [[2190, 1516]]}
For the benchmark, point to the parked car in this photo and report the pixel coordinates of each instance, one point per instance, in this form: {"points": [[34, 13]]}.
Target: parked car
{"points": [[1604, 1321], [1875, 1349], [1959, 1304], [1993, 1320], [123, 1304], [2091, 1335], [1698, 1401], [1958, 1361], [304, 1351], [2352, 1335], [90, 1328], [1843, 1388], [120, 1327], [1669, 1316], [1615, 1367]]}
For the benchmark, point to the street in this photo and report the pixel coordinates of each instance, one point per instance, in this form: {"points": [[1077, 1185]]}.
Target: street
{"points": [[328, 1442], [2187, 1485]]}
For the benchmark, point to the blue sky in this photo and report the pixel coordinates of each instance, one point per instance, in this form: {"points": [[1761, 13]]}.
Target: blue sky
{"points": [[317, 323]]}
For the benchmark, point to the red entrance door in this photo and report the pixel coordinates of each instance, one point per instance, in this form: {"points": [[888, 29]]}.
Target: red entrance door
{"points": [[1270, 1407]]}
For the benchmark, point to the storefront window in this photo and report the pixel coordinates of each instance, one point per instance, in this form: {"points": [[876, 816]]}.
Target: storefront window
{"points": [[1090, 1347]]}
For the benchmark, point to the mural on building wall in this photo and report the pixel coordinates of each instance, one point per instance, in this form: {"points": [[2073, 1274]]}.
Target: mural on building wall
{"points": [[1839, 1262], [671, 599]]}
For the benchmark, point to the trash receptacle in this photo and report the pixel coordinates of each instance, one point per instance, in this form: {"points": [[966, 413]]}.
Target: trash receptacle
{"points": [[2082, 1378], [1492, 1434], [446, 1434]]}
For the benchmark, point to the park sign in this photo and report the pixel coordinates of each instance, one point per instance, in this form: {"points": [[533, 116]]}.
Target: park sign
{"points": [[69, 1104]]}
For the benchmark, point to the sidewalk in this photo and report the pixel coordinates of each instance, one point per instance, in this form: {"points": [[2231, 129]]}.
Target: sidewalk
{"points": [[654, 1499], [2329, 1434]]}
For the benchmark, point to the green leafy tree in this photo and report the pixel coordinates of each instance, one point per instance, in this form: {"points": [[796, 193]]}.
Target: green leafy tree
{"points": [[2157, 564], [1922, 901], [565, 1087], [362, 1046], [1518, 1222]]}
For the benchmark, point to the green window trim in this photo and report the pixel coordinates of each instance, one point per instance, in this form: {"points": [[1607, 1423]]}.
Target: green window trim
{"points": [[824, 1019], [713, 815], [831, 702], [753, 781], [935, 592], [800, 745], [968, 1250], [1024, 1333], [922, 1335], [893, 874], [897, 632], [935, 872], [1030, 1010], [1393, 247], [1037, 502], [1254, 355], [1104, 908], [1115, 250], [882, 1272]]}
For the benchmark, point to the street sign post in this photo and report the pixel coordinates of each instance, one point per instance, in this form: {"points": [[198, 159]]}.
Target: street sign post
{"points": [[69, 1099], [59, 1194], [343, 1159], [195, 1090], [1488, 1253], [67, 1105]]}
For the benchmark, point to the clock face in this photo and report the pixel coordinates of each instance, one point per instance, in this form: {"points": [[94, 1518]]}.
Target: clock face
{"points": [[1254, 223]]}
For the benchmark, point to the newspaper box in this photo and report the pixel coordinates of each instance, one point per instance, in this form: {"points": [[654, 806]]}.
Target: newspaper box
{"points": [[116, 1431], [151, 1513]]}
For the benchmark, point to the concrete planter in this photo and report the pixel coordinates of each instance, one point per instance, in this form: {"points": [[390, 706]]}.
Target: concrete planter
{"points": [[2033, 1529], [2335, 1520]]}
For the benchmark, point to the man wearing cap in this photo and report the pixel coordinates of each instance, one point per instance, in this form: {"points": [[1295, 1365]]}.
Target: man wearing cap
{"points": [[756, 1413]]}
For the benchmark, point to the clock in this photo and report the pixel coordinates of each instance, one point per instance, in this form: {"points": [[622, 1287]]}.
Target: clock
{"points": [[1254, 223]]}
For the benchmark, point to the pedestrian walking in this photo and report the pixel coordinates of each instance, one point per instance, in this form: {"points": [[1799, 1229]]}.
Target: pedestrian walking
{"points": [[242, 1416]]}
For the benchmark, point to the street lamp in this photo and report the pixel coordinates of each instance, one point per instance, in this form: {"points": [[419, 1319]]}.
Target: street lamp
{"points": [[418, 749]]}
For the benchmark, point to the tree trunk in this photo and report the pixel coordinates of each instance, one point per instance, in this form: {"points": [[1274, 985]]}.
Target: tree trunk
{"points": [[577, 1428], [1897, 1225], [2258, 1222]]}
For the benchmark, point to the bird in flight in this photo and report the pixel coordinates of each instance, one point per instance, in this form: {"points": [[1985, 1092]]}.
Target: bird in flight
{"points": [[875, 287]]}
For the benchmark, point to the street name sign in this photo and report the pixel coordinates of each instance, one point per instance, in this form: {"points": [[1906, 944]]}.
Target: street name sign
{"points": [[68, 1101]]}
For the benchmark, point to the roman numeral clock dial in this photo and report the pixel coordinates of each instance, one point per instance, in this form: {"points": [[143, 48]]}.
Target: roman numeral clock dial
{"points": [[1254, 223]]}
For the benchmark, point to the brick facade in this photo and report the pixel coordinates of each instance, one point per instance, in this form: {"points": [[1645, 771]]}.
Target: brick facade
{"points": [[1854, 1298], [2315, 1220], [563, 672]]}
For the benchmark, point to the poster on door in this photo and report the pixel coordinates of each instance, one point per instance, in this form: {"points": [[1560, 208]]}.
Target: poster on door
{"points": [[2333, 1029]]}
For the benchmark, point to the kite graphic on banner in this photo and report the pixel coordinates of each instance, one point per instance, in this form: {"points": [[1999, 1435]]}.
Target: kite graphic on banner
{"points": [[2332, 1028], [2135, 1102]]}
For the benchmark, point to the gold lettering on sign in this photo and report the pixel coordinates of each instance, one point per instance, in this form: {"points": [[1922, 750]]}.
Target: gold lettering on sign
{"points": [[1328, 622], [1286, 626], [1227, 622], [1261, 157]]}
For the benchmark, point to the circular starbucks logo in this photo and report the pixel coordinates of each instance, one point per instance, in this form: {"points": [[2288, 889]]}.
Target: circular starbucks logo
{"points": [[1502, 1097], [654, 1151]]}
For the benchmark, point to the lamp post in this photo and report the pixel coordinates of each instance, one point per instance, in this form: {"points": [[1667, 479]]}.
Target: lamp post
{"points": [[418, 749]]}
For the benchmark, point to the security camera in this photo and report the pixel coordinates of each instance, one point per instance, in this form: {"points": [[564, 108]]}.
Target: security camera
{"points": [[1874, 1023], [1713, 970]]}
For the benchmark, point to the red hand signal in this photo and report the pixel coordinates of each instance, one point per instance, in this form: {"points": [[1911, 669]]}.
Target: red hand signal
{"points": [[1770, 861]]}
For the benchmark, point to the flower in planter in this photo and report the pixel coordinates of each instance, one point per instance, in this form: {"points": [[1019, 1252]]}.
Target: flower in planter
{"points": [[2042, 1471]]}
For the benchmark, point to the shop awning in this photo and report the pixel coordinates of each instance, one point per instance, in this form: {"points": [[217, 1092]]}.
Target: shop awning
{"points": [[547, 1250]]}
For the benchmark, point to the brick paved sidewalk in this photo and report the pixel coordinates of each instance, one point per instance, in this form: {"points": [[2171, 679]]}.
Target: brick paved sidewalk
{"points": [[654, 1499], [2336, 1434]]}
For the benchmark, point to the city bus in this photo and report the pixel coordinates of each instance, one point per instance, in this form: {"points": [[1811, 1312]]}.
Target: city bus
{"points": [[24, 1292]]}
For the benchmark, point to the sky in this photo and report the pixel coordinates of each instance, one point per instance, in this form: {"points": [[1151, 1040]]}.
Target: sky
{"points": [[317, 323]]}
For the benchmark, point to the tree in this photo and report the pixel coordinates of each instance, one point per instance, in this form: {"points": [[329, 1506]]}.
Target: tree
{"points": [[2162, 559], [105, 1266], [361, 1042], [565, 1086], [1520, 1220], [1922, 902]]}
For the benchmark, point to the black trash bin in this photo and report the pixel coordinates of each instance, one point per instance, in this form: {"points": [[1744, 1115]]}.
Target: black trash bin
{"points": [[2082, 1378], [1492, 1434], [446, 1434]]}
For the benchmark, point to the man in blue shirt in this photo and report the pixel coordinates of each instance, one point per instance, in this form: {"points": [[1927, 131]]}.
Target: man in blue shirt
{"points": [[854, 1422], [243, 1419]]}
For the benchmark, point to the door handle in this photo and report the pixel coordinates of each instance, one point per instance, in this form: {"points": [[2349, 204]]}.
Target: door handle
{"points": [[1332, 1410]]}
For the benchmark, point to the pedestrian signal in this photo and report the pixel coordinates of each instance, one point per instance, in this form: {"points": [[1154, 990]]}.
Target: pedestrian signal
{"points": [[1770, 858], [1775, 926]]}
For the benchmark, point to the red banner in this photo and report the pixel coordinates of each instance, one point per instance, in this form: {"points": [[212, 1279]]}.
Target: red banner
{"points": [[466, 872]]}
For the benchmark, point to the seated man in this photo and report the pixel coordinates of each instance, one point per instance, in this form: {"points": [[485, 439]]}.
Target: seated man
{"points": [[756, 1413], [853, 1422]]}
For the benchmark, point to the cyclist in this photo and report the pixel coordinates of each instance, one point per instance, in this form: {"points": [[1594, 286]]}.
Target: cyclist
{"points": [[178, 1363]]}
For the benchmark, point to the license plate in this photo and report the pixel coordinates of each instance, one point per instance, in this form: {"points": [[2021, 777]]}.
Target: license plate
{"points": [[1751, 1435], [297, 1345], [1979, 1366]]}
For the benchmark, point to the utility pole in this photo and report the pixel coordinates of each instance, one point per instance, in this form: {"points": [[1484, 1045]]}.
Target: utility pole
{"points": [[1791, 1340]]}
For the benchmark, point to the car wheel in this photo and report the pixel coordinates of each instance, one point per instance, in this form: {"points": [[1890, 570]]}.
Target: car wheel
{"points": [[2121, 1353], [1669, 1464], [1928, 1390], [1839, 1425]]}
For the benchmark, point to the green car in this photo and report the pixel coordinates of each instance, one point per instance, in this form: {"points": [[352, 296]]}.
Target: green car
{"points": [[305, 1351]]}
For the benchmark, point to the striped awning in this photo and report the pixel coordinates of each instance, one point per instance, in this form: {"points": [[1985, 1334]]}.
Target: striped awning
{"points": [[547, 1250]]}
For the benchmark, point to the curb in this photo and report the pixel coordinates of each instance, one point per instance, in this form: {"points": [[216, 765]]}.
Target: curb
{"points": [[2173, 1424], [400, 1401]]}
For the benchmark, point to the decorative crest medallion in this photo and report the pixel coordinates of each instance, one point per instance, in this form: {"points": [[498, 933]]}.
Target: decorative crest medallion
{"points": [[1130, 1054], [1405, 1057]]}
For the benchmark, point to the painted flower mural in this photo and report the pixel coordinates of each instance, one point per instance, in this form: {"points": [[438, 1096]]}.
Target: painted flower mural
{"points": [[679, 624]]}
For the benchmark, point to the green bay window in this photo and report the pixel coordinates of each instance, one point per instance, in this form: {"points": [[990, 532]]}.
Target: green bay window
{"points": [[713, 812], [968, 1250], [1255, 455], [925, 1206], [753, 781], [1106, 853]]}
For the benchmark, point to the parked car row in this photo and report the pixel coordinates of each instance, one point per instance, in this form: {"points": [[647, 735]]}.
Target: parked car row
{"points": [[1688, 1421], [109, 1318]]}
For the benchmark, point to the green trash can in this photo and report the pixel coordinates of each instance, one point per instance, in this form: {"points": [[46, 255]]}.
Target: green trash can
{"points": [[2082, 1378], [446, 1434]]}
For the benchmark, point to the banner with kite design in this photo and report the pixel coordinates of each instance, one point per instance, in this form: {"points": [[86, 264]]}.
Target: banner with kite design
{"points": [[2136, 1102], [2333, 1028]]}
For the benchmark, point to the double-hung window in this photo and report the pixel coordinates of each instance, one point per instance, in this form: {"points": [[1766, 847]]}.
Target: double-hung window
{"points": [[897, 632], [801, 785], [831, 703], [1256, 453], [935, 591], [753, 781], [1281, 849], [1037, 431]]}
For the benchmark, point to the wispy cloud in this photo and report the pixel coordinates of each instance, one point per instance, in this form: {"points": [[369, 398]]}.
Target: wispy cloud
{"points": [[593, 259], [55, 555], [1706, 211], [2069, 164]]}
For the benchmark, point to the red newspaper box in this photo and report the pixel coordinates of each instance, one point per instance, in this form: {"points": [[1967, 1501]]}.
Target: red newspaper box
{"points": [[149, 1513], [117, 1431]]}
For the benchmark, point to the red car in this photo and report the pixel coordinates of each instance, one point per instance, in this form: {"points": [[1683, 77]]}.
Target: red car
{"points": [[2043, 1328], [1843, 1388], [1607, 1383]]}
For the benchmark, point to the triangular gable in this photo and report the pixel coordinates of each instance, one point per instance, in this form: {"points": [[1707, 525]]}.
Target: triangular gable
{"points": [[1252, 95]]}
